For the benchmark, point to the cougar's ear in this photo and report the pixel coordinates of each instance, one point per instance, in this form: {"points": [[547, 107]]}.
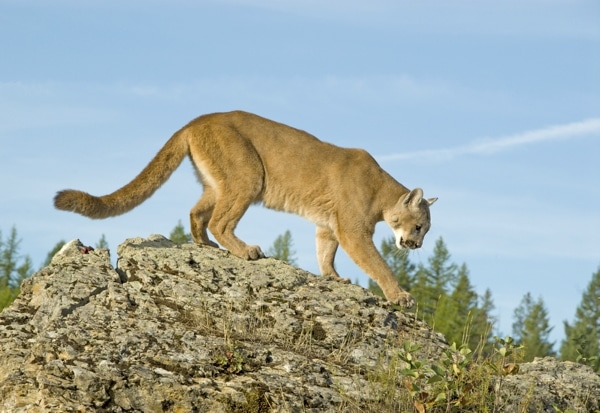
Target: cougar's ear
{"points": [[413, 198], [431, 200]]}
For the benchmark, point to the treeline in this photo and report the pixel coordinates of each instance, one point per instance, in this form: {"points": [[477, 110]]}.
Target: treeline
{"points": [[446, 299], [448, 302]]}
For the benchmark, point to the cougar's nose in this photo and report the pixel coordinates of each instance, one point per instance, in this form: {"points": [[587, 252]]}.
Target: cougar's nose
{"points": [[413, 244], [408, 243]]}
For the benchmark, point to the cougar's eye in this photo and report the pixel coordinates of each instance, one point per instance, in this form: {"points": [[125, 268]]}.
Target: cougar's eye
{"points": [[418, 228]]}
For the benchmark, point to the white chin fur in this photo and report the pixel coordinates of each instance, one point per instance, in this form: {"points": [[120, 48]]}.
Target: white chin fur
{"points": [[398, 236]]}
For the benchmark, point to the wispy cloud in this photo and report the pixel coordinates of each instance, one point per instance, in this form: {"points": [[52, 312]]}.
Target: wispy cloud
{"points": [[490, 146]]}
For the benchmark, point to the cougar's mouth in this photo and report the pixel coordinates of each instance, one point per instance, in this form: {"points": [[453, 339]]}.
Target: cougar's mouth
{"points": [[410, 244]]}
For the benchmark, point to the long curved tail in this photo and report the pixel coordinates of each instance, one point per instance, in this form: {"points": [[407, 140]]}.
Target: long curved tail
{"points": [[134, 193]]}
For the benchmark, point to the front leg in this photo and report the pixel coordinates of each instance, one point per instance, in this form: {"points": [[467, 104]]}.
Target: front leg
{"points": [[362, 250]]}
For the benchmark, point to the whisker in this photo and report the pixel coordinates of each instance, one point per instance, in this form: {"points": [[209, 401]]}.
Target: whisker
{"points": [[402, 252], [418, 252]]}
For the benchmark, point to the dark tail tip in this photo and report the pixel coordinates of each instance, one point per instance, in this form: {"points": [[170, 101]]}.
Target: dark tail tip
{"points": [[79, 202], [66, 200]]}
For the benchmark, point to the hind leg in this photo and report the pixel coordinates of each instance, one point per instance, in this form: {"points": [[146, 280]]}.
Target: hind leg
{"points": [[327, 245], [200, 216], [226, 214], [233, 176]]}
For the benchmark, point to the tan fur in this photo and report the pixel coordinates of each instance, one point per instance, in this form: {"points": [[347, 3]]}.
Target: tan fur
{"points": [[243, 159]]}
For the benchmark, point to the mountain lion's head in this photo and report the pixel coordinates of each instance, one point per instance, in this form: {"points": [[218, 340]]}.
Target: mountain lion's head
{"points": [[410, 219]]}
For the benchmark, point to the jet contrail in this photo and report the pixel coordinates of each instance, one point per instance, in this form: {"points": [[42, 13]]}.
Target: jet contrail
{"points": [[490, 146]]}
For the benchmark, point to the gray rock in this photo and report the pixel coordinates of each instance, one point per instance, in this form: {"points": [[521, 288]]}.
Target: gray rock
{"points": [[546, 384], [182, 328]]}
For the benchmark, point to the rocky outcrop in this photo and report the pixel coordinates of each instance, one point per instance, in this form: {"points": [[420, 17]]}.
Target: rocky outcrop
{"points": [[547, 385], [181, 328]]}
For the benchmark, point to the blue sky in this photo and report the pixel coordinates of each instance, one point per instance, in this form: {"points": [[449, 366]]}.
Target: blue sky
{"points": [[494, 107]]}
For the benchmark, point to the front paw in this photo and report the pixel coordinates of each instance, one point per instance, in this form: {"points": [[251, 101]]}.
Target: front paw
{"points": [[402, 298], [253, 252]]}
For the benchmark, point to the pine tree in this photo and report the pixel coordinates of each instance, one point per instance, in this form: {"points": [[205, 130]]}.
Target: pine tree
{"points": [[102, 243], [179, 235], [582, 337], [282, 248], [399, 263], [434, 281], [455, 312], [13, 268], [531, 328], [483, 324]]}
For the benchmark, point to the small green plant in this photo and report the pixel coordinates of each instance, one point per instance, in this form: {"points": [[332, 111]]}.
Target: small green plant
{"points": [[505, 357], [437, 384], [232, 360], [418, 375], [457, 382], [581, 358], [504, 362], [451, 376]]}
